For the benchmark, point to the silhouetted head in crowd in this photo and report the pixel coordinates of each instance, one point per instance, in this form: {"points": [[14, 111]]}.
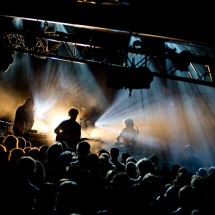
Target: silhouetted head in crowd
{"points": [[124, 156], [22, 142], [83, 148], [11, 142]]}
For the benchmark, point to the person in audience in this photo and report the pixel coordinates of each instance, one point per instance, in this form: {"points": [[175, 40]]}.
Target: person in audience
{"points": [[103, 151], [2, 139], [105, 164], [69, 130], [43, 156], [66, 157], [144, 166], [82, 152], [34, 152], [114, 158], [52, 164], [22, 142], [22, 193], [10, 142], [131, 170], [29, 177], [15, 154], [188, 200], [124, 157], [120, 189], [28, 143], [67, 197], [131, 158], [46, 201], [3, 162], [190, 160]]}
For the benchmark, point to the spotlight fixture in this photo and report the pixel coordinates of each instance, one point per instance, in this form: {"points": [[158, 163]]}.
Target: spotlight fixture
{"points": [[137, 44], [182, 61], [129, 78]]}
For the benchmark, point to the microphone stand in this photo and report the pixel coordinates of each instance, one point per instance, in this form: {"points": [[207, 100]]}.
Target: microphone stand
{"points": [[116, 143], [131, 142], [119, 136]]}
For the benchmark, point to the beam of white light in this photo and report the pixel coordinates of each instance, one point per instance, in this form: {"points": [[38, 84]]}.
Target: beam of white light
{"points": [[169, 114], [43, 128], [54, 92], [18, 23], [122, 107], [167, 119], [48, 124]]}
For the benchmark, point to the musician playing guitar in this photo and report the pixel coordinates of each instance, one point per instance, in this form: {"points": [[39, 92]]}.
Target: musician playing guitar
{"points": [[128, 135], [69, 130]]}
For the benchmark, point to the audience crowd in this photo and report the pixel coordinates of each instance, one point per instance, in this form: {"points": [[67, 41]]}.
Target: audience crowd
{"points": [[56, 180]]}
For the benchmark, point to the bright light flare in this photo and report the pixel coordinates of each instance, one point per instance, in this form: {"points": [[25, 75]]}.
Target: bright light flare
{"points": [[95, 134], [46, 122], [40, 126]]}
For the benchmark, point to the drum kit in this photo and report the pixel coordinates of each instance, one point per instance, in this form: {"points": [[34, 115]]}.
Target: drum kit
{"points": [[4, 128]]}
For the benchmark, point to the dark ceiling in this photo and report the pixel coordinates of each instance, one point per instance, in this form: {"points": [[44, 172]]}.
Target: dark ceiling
{"points": [[192, 22]]}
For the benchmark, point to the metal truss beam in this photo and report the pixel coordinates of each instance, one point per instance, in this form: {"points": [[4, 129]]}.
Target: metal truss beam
{"points": [[94, 49]]}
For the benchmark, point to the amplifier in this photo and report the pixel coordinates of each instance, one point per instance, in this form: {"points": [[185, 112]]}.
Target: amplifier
{"points": [[37, 139]]}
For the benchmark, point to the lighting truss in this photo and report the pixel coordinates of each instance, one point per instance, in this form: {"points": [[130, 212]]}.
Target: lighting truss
{"points": [[104, 47]]}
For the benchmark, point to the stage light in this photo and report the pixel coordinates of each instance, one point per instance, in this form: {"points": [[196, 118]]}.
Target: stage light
{"points": [[182, 60], [129, 78], [137, 44]]}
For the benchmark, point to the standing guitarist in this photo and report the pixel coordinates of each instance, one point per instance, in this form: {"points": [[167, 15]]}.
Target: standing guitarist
{"points": [[69, 130], [128, 136]]}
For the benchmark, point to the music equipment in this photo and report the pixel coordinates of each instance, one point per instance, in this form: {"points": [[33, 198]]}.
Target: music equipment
{"points": [[4, 127], [37, 139]]}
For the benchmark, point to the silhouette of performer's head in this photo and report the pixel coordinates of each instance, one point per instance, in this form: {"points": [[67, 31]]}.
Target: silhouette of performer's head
{"points": [[128, 122], [73, 112]]}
